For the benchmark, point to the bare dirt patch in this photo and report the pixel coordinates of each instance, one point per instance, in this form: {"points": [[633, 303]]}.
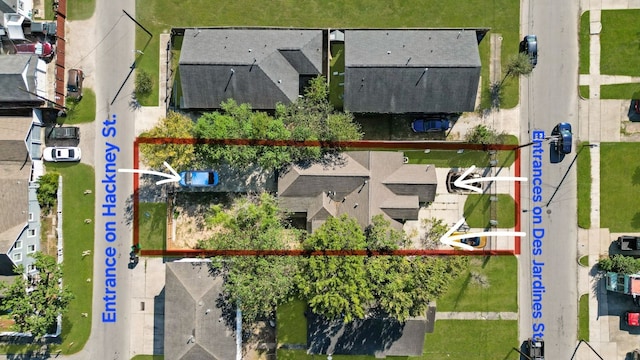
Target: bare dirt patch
{"points": [[189, 217]]}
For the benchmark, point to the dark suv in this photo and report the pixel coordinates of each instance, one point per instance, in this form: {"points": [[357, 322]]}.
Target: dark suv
{"points": [[530, 46]]}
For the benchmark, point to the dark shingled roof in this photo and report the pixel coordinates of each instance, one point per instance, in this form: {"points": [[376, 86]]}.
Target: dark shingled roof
{"points": [[12, 69], [375, 336], [194, 328], [411, 71], [15, 171], [361, 184], [257, 66]]}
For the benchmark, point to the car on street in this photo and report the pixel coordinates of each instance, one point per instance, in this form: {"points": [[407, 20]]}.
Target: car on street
{"points": [[632, 318], [42, 49], [535, 348], [430, 125], [477, 242], [454, 175], [198, 178], [74, 83], [563, 139], [61, 153], [636, 106], [530, 47]]}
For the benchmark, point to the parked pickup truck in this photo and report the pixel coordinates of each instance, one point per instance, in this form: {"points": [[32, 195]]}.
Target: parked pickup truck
{"points": [[535, 348], [628, 242], [64, 132]]}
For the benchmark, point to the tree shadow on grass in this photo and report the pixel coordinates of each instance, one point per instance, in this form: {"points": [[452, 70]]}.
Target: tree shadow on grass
{"points": [[635, 179], [635, 221]]}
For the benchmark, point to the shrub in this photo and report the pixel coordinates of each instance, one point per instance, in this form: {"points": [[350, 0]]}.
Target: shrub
{"points": [[620, 264], [144, 83], [47, 191]]}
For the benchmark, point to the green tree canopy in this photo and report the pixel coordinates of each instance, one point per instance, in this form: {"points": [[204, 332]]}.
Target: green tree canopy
{"points": [[47, 191], [258, 284], [35, 305], [336, 286], [620, 264], [179, 156], [236, 121]]}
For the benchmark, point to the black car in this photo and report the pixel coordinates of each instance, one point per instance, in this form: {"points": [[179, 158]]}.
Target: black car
{"points": [[453, 175], [530, 46]]}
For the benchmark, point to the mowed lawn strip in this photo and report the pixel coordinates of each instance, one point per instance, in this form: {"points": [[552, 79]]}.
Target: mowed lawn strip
{"points": [[619, 185], [78, 237], [152, 220]]}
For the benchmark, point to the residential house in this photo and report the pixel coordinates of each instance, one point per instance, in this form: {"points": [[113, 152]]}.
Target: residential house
{"points": [[22, 78], [361, 184], [19, 209], [262, 67], [195, 326], [399, 71]]}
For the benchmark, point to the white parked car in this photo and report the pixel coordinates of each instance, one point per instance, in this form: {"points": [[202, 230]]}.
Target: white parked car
{"points": [[61, 153]]}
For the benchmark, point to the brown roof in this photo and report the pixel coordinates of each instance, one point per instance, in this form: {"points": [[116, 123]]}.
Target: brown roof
{"points": [[361, 184]]}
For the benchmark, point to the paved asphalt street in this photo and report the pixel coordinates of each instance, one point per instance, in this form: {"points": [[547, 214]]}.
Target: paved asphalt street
{"points": [[114, 33], [549, 96]]}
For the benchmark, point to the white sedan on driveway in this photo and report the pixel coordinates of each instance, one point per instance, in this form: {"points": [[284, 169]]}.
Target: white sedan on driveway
{"points": [[61, 153]]}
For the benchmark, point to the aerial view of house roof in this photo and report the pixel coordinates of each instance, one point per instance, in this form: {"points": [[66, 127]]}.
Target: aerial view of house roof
{"points": [[361, 184], [411, 71], [15, 170], [194, 326], [258, 66], [17, 79]]}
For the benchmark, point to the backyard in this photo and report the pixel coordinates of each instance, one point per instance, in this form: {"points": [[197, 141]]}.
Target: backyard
{"points": [[501, 16], [490, 284]]}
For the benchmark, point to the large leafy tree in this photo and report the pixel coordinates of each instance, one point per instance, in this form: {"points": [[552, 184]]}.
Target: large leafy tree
{"points": [[257, 283], [179, 156], [35, 305], [336, 286], [238, 121], [620, 264]]}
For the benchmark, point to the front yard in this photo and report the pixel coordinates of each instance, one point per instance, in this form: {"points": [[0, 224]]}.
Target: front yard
{"points": [[619, 182]]}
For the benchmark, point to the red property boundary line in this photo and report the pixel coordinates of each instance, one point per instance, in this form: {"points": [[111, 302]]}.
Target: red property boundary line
{"points": [[364, 145]]}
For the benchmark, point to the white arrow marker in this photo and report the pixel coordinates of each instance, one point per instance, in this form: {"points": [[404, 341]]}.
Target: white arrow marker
{"points": [[447, 239], [173, 177], [464, 183]]}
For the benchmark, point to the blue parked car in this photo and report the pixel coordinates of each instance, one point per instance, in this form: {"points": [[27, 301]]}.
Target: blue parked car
{"points": [[430, 125], [198, 178], [563, 138]]}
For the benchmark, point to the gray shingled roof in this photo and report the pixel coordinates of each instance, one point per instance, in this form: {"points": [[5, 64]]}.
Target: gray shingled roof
{"points": [[257, 66], [194, 328], [411, 71], [364, 184], [12, 80], [15, 171]]}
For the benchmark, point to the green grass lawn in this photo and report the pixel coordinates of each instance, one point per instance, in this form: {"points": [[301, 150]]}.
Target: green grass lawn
{"points": [[472, 339], [620, 91], [452, 159], [80, 9], [477, 211], [78, 237], [584, 186], [619, 185], [152, 220], [291, 325], [583, 318], [84, 111], [619, 42], [466, 293], [501, 16], [337, 65], [584, 91], [584, 43]]}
